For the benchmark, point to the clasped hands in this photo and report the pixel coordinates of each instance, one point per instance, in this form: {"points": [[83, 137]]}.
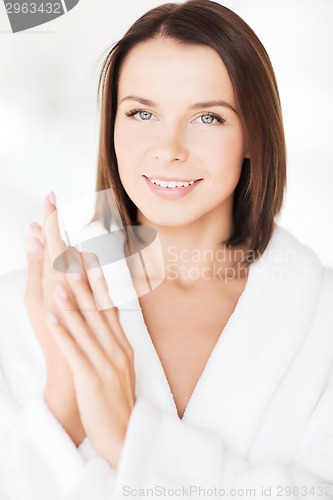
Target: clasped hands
{"points": [[90, 364]]}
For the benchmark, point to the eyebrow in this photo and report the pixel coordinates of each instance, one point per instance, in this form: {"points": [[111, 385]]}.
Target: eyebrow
{"points": [[204, 104]]}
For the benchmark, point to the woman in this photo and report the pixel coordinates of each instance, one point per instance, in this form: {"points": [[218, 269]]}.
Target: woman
{"points": [[219, 380]]}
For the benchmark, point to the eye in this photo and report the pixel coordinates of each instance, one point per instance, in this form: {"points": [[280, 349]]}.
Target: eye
{"points": [[142, 114], [211, 118]]}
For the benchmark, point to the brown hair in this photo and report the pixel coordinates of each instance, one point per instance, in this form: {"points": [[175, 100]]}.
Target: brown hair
{"points": [[259, 194]]}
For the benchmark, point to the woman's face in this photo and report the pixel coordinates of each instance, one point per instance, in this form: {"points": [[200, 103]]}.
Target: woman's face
{"points": [[177, 120]]}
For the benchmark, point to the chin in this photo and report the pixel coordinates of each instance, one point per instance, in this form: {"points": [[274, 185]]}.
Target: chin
{"points": [[157, 218]]}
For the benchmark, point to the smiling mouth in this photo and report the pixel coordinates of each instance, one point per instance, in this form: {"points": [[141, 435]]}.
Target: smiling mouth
{"points": [[171, 183]]}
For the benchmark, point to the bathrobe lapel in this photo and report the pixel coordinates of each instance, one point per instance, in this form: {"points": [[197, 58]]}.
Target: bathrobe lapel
{"points": [[253, 352]]}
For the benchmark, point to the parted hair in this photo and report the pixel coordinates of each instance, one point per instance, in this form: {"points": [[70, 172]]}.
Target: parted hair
{"points": [[259, 193]]}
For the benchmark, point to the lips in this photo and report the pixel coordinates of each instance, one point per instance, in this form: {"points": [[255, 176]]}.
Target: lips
{"points": [[167, 193], [170, 179]]}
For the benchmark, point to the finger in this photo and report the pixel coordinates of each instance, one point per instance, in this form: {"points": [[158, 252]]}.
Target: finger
{"points": [[35, 260], [97, 322], [54, 244], [104, 303], [60, 255], [112, 317], [36, 230], [97, 281], [49, 209], [76, 358], [79, 328]]}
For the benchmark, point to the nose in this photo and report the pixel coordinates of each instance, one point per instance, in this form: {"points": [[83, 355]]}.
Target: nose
{"points": [[170, 145]]}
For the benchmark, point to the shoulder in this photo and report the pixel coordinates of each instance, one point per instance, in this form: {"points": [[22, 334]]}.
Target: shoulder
{"points": [[289, 263], [294, 274], [21, 359], [294, 257], [325, 298], [328, 278], [283, 239], [317, 278], [12, 285], [12, 288]]}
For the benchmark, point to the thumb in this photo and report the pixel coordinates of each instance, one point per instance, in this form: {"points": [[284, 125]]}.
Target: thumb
{"points": [[36, 230], [35, 261]]}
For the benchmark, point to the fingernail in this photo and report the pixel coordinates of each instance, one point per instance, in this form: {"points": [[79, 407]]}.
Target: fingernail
{"points": [[35, 224], [33, 245], [52, 318], [61, 292], [52, 198]]}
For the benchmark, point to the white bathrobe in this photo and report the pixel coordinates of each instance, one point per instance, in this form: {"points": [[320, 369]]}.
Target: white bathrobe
{"points": [[258, 424]]}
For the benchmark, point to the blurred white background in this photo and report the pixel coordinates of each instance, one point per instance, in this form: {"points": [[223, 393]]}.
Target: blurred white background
{"points": [[49, 115]]}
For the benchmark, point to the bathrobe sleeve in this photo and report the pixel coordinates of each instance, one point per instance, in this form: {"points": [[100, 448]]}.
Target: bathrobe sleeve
{"points": [[38, 459], [162, 451]]}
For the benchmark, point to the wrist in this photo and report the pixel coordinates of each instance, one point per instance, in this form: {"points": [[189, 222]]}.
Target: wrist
{"points": [[66, 412]]}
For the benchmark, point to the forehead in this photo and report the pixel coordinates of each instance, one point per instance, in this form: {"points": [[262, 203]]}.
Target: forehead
{"points": [[162, 68]]}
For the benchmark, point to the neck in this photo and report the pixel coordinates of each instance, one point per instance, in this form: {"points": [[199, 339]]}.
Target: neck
{"points": [[192, 255]]}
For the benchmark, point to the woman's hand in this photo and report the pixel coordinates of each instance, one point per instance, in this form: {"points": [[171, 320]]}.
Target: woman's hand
{"points": [[59, 390], [100, 358]]}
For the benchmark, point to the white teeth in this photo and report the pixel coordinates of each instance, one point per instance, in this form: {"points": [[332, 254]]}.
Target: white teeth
{"points": [[171, 184]]}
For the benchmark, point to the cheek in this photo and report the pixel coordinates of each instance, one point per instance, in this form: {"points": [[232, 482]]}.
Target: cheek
{"points": [[126, 149], [221, 152], [129, 142], [121, 141]]}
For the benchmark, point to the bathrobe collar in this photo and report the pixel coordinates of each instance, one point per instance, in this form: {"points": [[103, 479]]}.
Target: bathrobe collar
{"points": [[253, 352]]}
